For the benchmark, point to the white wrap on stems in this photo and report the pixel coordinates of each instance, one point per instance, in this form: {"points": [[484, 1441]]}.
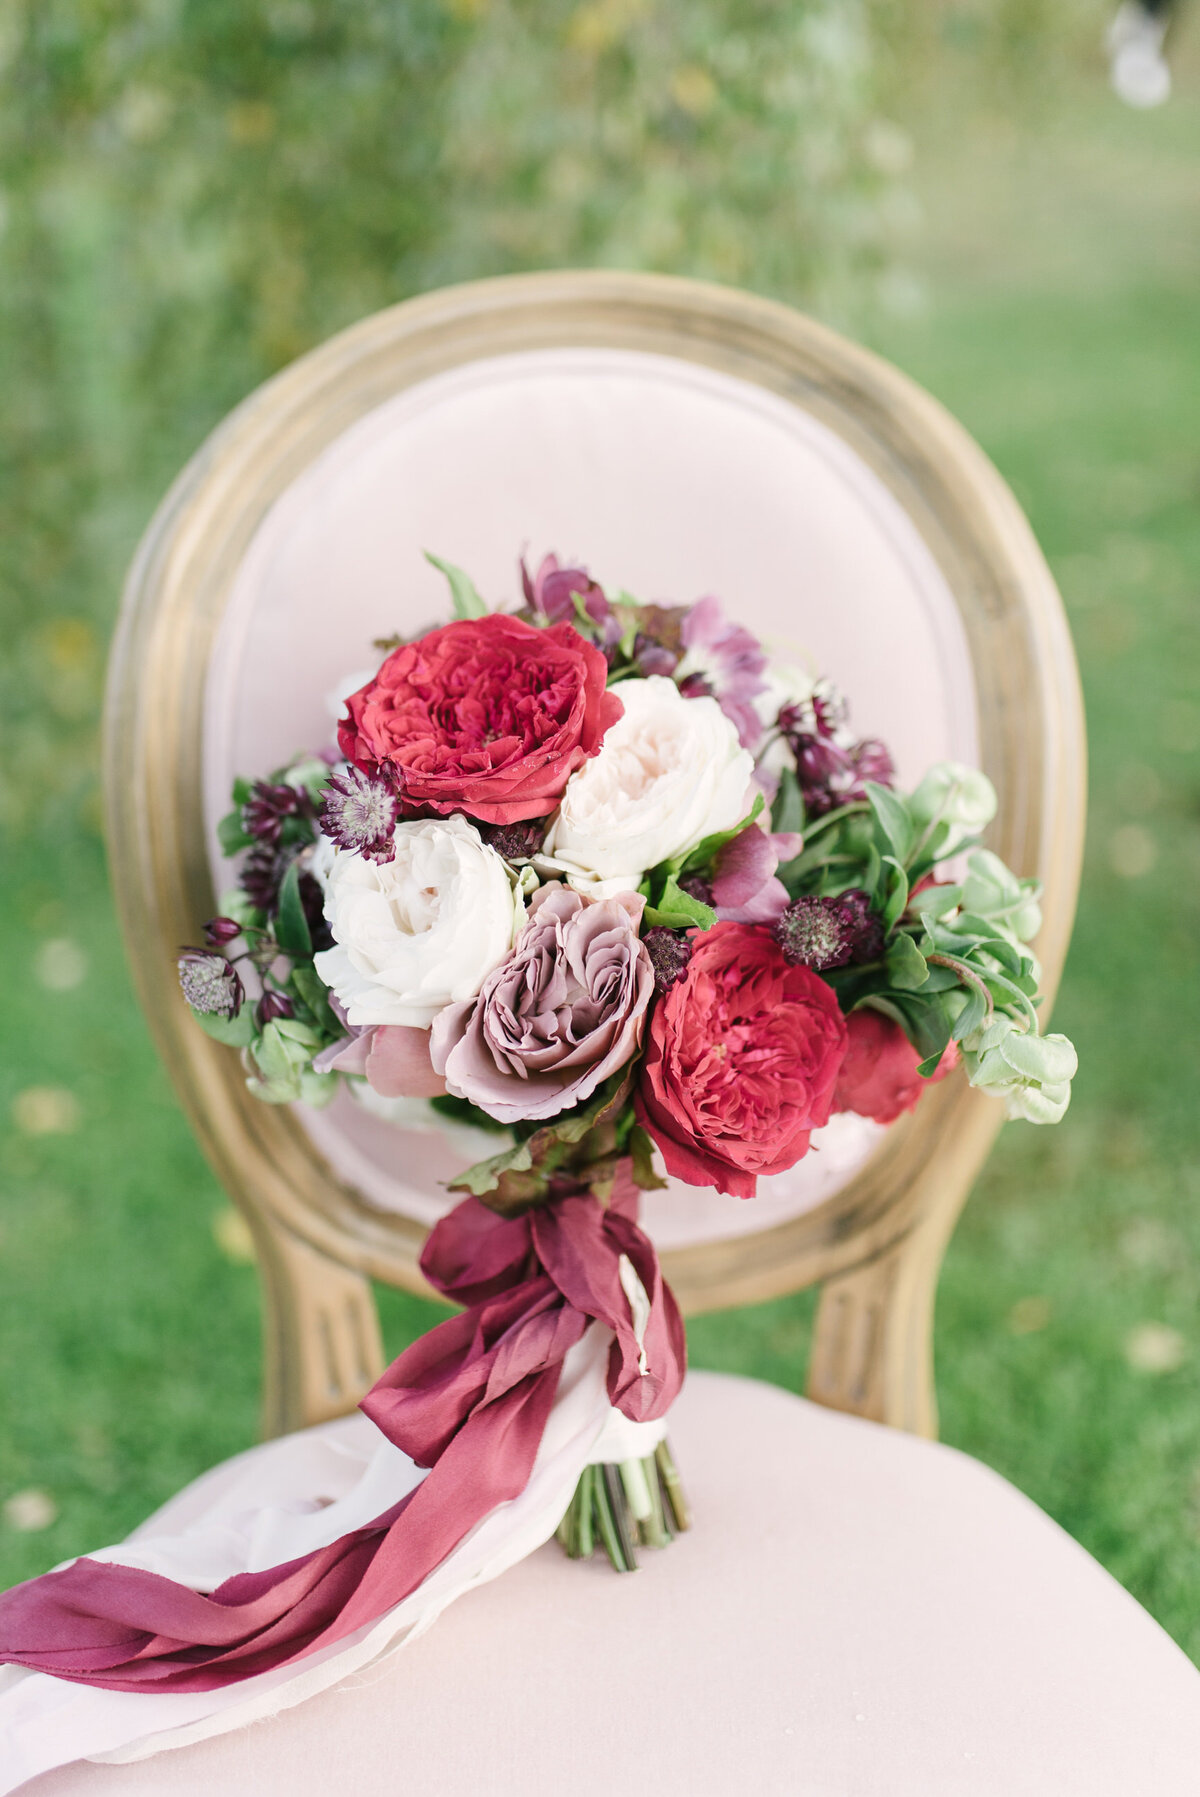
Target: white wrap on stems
{"points": [[282, 1500]]}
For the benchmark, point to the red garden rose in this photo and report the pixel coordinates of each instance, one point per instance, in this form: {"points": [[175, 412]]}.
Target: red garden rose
{"points": [[490, 716], [741, 1061], [879, 1077]]}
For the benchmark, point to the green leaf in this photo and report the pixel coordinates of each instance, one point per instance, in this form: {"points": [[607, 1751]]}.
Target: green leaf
{"points": [[466, 601], [787, 813], [895, 830], [311, 990], [641, 1153], [230, 834], [234, 1032], [970, 1018], [519, 1175], [291, 926], [905, 963], [891, 895], [678, 910], [461, 1110], [937, 901]]}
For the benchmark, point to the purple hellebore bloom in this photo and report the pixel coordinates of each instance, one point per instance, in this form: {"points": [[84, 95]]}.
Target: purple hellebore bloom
{"points": [[210, 983], [359, 812], [730, 666], [549, 593], [744, 887], [563, 1011]]}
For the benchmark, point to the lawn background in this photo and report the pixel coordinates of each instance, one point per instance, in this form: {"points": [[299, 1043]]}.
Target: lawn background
{"points": [[196, 193]]}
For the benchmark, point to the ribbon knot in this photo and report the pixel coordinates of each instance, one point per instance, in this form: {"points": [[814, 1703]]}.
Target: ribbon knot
{"points": [[470, 1400]]}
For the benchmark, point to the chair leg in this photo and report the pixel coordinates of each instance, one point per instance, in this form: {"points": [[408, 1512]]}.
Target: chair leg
{"points": [[872, 1350], [322, 1343]]}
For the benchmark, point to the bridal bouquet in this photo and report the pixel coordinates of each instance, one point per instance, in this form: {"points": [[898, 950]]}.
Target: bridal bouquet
{"points": [[617, 885], [612, 883]]}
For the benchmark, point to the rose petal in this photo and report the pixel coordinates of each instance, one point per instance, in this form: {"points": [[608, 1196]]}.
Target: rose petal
{"points": [[345, 1056], [398, 1064]]}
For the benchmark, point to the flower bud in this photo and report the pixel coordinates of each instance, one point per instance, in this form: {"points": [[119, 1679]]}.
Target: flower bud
{"points": [[220, 931], [953, 794], [273, 1004]]}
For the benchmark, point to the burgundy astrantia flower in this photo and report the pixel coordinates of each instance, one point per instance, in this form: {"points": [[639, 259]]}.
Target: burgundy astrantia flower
{"points": [[264, 812], [360, 811], [488, 716], [669, 952], [210, 983], [551, 594], [813, 933], [723, 659], [515, 842], [831, 767], [822, 933]]}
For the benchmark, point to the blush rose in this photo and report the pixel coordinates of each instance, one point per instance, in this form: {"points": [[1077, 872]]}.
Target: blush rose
{"points": [[741, 1060], [566, 1009], [489, 716]]}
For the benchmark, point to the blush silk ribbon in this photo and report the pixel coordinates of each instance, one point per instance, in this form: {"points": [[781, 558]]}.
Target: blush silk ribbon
{"points": [[470, 1400]]}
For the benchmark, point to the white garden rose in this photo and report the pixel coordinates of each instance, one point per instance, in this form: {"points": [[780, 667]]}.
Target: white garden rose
{"points": [[670, 772], [422, 931]]}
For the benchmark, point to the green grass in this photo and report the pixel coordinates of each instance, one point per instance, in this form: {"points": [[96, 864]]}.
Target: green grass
{"points": [[1060, 269]]}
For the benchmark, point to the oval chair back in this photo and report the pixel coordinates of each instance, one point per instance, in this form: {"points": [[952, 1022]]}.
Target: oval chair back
{"points": [[679, 439]]}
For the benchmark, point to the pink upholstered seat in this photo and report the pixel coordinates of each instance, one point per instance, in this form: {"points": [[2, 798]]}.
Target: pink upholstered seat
{"points": [[857, 1614]]}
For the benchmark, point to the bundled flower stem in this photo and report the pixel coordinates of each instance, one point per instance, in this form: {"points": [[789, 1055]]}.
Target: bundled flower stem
{"points": [[608, 880], [621, 1506]]}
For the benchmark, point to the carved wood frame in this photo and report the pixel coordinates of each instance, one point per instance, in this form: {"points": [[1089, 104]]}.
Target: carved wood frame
{"points": [[876, 1246]]}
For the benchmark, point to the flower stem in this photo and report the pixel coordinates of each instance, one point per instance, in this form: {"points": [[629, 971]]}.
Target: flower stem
{"points": [[834, 817], [966, 974]]}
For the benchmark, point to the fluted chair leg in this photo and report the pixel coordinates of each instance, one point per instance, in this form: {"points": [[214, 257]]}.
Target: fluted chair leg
{"points": [[872, 1351], [322, 1342]]}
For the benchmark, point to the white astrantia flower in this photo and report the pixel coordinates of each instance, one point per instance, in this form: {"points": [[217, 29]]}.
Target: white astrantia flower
{"points": [[670, 772], [422, 931]]}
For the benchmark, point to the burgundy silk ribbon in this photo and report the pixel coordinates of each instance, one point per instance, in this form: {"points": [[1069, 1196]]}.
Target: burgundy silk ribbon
{"points": [[470, 1400]]}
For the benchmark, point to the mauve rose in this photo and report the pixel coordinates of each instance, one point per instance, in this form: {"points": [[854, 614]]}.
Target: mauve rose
{"points": [[741, 1060], [490, 716], [564, 1011], [879, 1077]]}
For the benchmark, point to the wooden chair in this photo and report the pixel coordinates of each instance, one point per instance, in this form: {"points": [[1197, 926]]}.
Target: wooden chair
{"points": [[679, 438]]}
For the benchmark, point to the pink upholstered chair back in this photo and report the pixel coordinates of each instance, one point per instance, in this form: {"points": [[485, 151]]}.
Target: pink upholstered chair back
{"points": [[680, 440]]}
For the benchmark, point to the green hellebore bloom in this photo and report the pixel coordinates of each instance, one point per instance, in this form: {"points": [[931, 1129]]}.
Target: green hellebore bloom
{"points": [[992, 890], [957, 795], [1031, 1073]]}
